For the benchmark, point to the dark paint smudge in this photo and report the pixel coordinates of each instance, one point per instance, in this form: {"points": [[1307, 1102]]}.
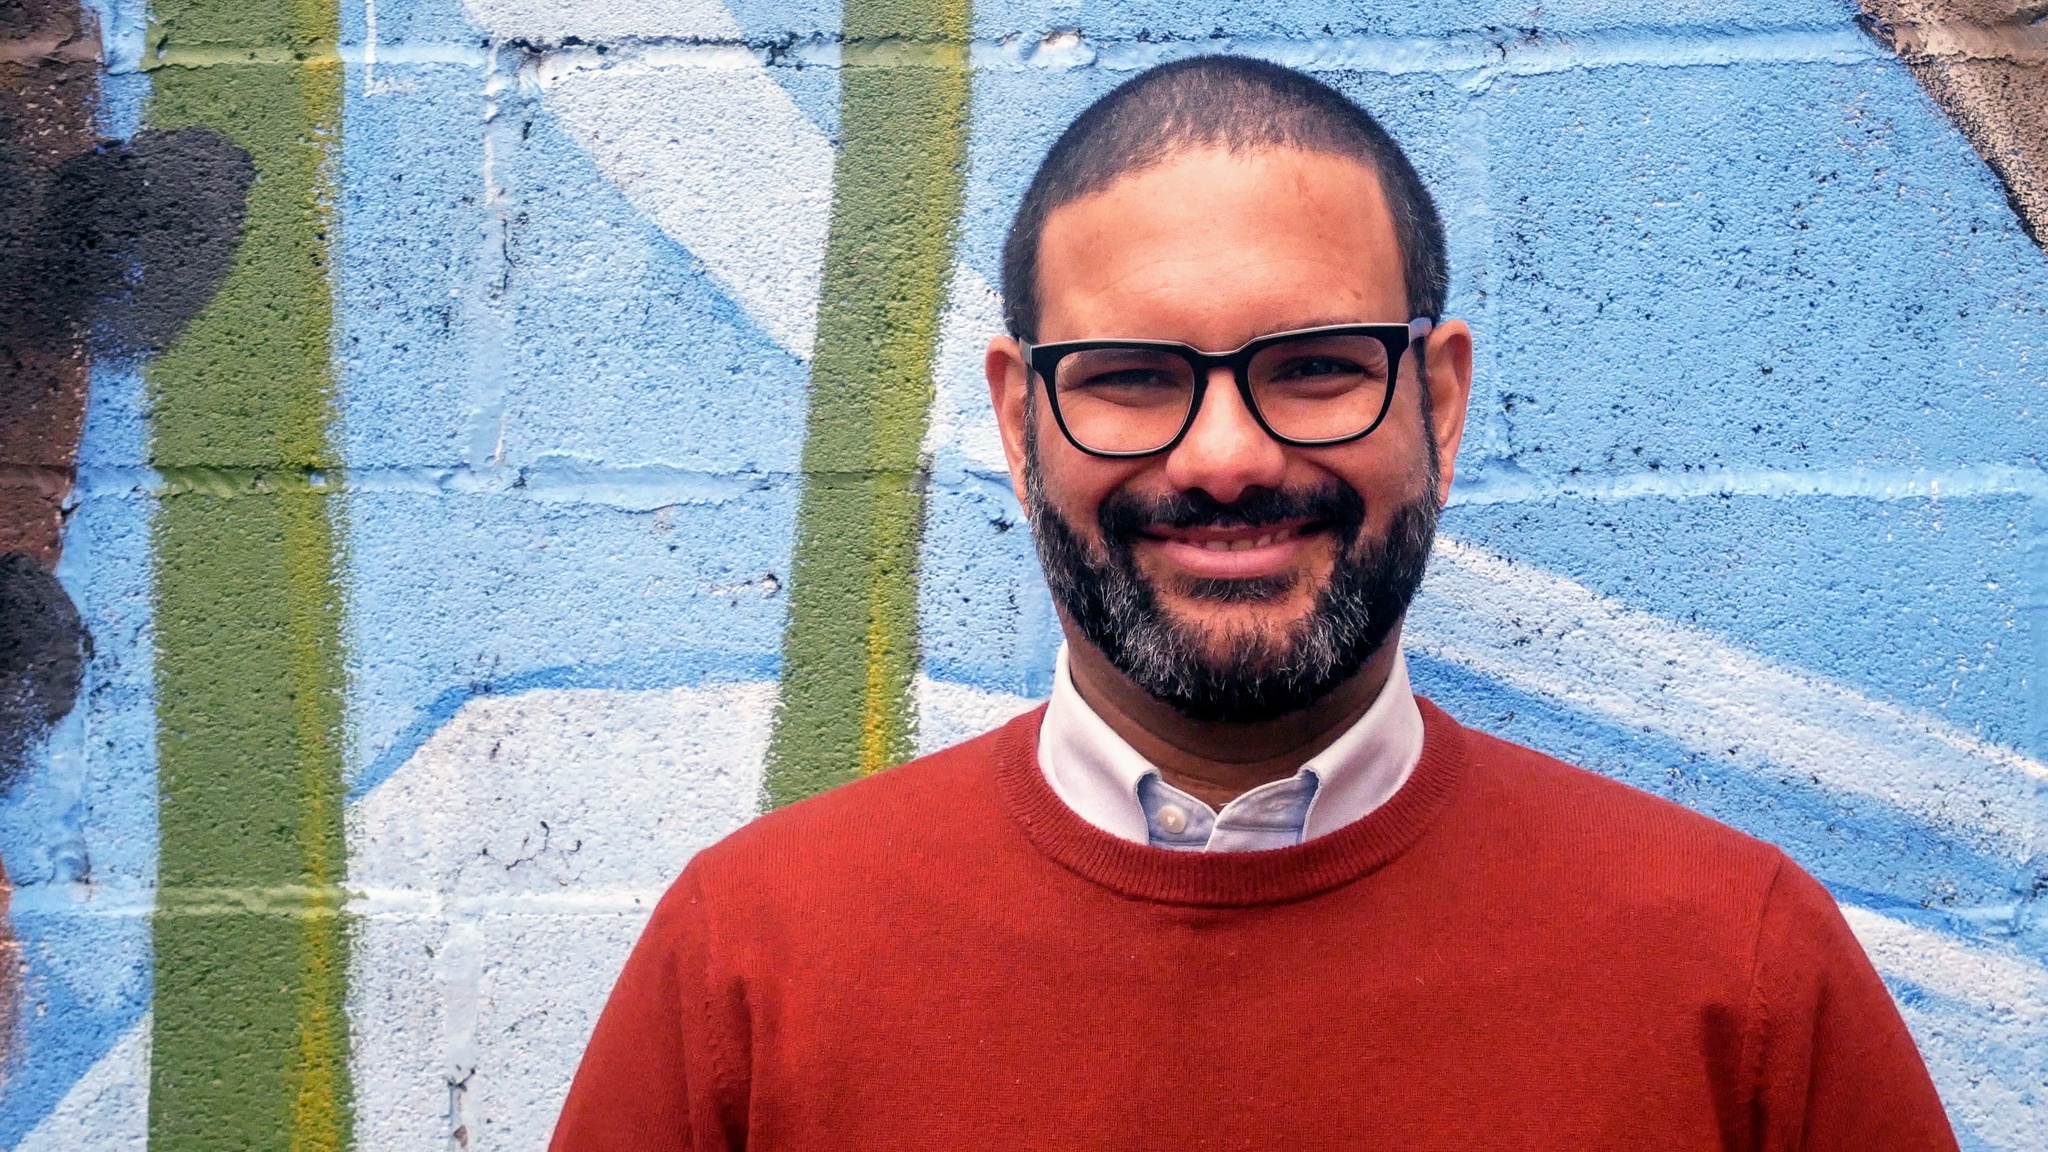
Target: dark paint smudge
{"points": [[43, 649], [141, 234]]}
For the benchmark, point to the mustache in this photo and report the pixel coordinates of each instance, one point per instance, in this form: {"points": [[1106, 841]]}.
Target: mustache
{"points": [[1335, 506]]}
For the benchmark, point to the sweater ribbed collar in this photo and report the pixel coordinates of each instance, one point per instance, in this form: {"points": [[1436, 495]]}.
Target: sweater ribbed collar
{"points": [[1234, 879]]}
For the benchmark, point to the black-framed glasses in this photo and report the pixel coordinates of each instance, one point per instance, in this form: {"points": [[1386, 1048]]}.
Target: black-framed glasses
{"points": [[1312, 387]]}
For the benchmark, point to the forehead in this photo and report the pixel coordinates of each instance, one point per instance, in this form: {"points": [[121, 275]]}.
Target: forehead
{"points": [[1215, 247]]}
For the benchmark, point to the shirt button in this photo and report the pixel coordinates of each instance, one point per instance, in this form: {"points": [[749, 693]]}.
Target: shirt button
{"points": [[1173, 818]]}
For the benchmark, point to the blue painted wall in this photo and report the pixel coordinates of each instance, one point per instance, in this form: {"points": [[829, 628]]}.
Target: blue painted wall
{"points": [[1763, 363]]}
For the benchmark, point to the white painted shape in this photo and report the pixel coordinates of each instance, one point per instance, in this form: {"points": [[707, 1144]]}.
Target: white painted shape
{"points": [[547, 978], [107, 1109], [707, 145], [1981, 1037], [551, 21], [1989, 1090], [1542, 633], [479, 1023], [1988, 979], [948, 713], [399, 1057], [505, 871], [727, 165], [564, 788], [962, 419], [459, 970]]}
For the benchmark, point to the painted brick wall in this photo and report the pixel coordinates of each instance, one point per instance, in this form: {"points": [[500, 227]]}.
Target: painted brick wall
{"points": [[460, 457]]}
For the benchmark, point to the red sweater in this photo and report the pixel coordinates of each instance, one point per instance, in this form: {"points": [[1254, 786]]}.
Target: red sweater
{"points": [[1511, 953]]}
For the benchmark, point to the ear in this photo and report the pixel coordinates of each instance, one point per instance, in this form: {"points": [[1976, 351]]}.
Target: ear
{"points": [[1448, 354], [1010, 392]]}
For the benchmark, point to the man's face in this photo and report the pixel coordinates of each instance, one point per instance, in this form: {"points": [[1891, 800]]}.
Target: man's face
{"points": [[1234, 577]]}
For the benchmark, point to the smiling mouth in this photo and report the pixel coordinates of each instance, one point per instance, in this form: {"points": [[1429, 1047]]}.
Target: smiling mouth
{"points": [[1236, 539], [1240, 553]]}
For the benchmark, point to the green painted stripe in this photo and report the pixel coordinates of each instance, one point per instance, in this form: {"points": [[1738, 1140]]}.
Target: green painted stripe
{"points": [[851, 645], [250, 1049]]}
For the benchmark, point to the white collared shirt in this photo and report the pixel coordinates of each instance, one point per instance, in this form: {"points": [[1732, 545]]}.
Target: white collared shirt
{"points": [[1107, 783]]}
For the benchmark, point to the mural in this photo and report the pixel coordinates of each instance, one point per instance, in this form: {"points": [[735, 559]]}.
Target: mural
{"points": [[460, 457], [111, 241]]}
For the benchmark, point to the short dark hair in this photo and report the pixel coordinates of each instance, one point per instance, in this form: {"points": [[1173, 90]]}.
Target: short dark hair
{"points": [[1229, 102]]}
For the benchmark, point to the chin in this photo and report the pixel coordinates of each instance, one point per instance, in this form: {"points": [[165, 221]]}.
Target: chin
{"points": [[1224, 625]]}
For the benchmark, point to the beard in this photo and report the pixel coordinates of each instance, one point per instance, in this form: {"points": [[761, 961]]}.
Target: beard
{"points": [[1256, 673]]}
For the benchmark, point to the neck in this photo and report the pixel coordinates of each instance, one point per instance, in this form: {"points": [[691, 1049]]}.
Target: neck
{"points": [[1218, 762]]}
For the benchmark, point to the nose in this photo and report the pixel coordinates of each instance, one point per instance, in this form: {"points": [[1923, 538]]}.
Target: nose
{"points": [[1226, 451]]}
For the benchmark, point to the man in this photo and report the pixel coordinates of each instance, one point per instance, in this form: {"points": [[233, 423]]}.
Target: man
{"points": [[1235, 886]]}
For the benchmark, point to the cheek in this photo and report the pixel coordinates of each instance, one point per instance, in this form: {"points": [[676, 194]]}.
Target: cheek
{"points": [[1388, 476], [1393, 462], [1381, 461], [1075, 484]]}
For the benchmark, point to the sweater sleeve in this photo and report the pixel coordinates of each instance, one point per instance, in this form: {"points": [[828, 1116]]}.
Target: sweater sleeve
{"points": [[1836, 1068], [652, 1078]]}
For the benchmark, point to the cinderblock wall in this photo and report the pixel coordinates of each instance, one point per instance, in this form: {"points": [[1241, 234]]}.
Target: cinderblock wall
{"points": [[464, 456]]}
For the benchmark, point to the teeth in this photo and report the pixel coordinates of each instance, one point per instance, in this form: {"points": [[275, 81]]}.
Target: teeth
{"points": [[1242, 545]]}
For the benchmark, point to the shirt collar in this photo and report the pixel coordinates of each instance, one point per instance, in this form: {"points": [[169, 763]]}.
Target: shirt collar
{"points": [[1364, 767], [1091, 768], [1097, 773]]}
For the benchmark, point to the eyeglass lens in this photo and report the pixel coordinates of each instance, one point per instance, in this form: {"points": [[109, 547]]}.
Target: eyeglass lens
{"points": [[1136, 399]]}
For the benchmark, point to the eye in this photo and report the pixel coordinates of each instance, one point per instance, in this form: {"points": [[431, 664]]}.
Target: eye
{"points": [[1128, 379], [1308, 368]]}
